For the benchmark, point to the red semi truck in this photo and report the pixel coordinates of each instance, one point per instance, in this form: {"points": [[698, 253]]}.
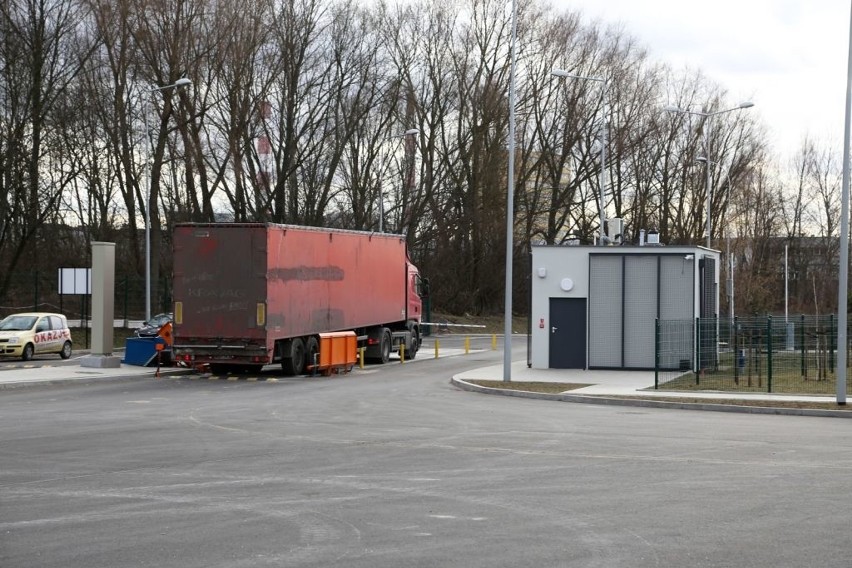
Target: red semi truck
{"points": [[251, 294]]}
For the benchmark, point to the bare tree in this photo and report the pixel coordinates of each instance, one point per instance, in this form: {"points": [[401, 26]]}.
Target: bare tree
{"points": [[43, 47]]}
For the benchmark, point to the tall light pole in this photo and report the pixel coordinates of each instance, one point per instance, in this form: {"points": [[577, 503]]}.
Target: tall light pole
{"points": [[182, 82], [510, 205], [704, 160], [565, 74], [707, 116], [409, 132], [843, 276]]}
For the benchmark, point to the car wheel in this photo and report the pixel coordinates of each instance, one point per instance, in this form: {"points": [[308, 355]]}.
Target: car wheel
{"points": [[66, 350], [27, 353]]}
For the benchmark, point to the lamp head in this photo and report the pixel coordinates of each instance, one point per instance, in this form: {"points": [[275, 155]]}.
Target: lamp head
{"points": [[746, 104], [183, 82]]}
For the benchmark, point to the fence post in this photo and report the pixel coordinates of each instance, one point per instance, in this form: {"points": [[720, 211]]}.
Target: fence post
{"points": [[802, 343], [697, 350], [832, 338], [768, 353], [126, 294], [656, 353], [736, 344], [716, 338]]}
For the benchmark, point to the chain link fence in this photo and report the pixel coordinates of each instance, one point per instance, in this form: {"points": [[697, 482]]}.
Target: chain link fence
{"points": [[758, 354], [39, 291]]}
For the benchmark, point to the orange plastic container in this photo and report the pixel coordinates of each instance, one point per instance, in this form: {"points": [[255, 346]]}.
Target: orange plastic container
{"points": [[338, 352]]}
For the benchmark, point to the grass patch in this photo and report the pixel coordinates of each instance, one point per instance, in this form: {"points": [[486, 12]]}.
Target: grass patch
{"points": [[817, 405], [467, 323], [793, 372], [82, 338], [782, 382], [530, 386]]}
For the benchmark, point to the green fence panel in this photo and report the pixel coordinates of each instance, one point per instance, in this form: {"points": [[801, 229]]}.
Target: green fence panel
{"points": [[747, 354]]}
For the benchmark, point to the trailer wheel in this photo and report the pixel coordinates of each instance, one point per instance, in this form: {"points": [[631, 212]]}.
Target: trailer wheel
{"points": [[311, 352], [294, 364], [219, 369], [386, 346]]}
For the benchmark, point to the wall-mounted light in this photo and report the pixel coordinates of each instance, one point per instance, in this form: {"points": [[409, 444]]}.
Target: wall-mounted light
{"points": [[567, 284], [542, 272]]}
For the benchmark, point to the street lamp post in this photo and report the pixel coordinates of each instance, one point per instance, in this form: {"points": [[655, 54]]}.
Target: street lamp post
{"points": [[565, 74], [409, 132], [510, 203], [182, 82], [704, 160], [843, 268], [707, 116]]}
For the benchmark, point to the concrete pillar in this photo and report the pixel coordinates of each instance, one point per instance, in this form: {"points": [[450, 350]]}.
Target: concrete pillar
{"points": [[103, 307]]}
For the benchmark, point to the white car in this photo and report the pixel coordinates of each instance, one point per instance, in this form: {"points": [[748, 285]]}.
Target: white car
{"points": [[29, 334]]}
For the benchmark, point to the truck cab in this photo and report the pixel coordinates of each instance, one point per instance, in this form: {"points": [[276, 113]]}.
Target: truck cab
{"points": [[417, 290]]}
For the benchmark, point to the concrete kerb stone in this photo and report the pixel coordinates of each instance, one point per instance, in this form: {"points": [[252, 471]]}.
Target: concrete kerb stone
{"points": [[65, 381], [646, 403]]}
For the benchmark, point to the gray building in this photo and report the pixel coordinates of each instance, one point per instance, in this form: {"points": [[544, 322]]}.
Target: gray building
{"points": [[594, 307]]}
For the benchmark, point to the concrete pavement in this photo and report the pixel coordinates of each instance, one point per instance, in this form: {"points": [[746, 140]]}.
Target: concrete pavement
{"points": [[604, 387], [50, 372]]}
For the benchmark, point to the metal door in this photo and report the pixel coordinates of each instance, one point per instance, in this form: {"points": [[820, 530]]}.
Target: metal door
{"points": [[567, 333]]}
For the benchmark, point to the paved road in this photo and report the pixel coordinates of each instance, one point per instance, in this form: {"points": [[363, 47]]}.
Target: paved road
{"points": [[392, 467]]}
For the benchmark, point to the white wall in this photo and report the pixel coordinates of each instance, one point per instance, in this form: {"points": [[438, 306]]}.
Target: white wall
{"points": [[559, 263], [551, 265]]}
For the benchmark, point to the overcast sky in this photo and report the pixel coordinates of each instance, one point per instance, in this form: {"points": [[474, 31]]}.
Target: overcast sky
{"points": [[789, 57]]}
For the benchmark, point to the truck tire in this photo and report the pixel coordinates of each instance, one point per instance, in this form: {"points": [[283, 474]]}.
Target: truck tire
{"points": [[380, 345], [385, 346], [415, 346], [294, 362], [311, 352]]}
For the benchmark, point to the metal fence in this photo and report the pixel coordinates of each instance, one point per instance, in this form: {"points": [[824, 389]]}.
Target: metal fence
{"points": [[39, 291], [759, 354]]}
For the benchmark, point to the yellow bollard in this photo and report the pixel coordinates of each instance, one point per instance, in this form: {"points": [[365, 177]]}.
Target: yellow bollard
{"points": [[437, 344], [361, 356], [466, 345], [402, 352], [494, 342]]}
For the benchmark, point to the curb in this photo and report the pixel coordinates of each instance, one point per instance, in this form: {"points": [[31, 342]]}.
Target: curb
{"points": [[645, 403], [12, 385]]}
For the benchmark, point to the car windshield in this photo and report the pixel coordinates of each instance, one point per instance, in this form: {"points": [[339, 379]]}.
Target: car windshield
{"points": [[17, 323], [159, 320]]}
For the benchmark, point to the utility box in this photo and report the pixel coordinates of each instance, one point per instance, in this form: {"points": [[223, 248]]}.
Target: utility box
{"points": [[594, 307], [338, 352]]}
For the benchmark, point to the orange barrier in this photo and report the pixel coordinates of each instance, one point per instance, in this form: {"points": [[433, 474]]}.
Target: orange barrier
{"points": [[337, 352]]}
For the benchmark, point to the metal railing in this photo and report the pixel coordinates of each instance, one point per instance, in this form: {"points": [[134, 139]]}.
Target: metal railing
{"points": [[756, 354]]}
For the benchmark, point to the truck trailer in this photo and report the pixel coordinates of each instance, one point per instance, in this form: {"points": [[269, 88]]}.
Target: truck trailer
{"points": [[252, 294]]}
